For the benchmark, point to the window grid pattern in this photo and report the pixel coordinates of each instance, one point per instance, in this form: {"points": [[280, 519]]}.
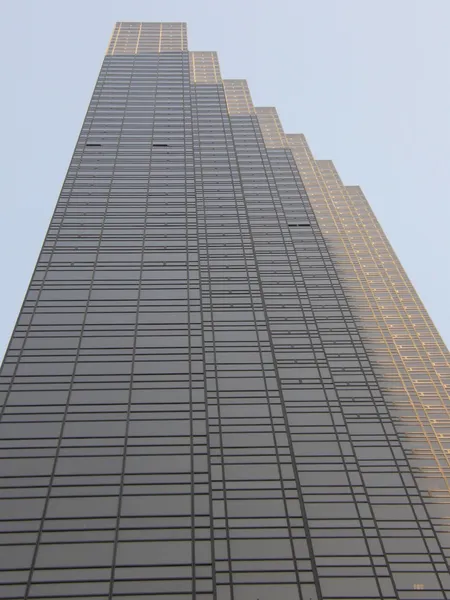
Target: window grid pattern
{"points": [[188, 409], [407, 351], [137, 38], [204, 67], [274, 136], [237, 94]]}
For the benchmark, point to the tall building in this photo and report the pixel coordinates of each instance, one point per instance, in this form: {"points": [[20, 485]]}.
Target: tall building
{"points": [[221, 384]]}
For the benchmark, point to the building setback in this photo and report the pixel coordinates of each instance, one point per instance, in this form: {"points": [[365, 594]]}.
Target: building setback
{"points": [[221, 384]]}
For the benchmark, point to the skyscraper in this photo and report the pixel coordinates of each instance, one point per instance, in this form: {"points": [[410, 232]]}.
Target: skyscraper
{"points": [[221, 384]]}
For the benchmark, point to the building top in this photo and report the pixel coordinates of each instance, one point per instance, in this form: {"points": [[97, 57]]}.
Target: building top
{"points": [[136, 38], [239, 100]]}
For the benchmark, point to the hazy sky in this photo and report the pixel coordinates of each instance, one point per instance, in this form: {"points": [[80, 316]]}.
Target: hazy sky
{"points": [[367, 81]]}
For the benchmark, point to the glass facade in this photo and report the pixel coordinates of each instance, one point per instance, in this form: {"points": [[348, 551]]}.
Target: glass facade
{"points": [[221, 384]]}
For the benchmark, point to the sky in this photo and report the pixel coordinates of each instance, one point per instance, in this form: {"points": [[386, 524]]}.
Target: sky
{"points": [[367, 81]]}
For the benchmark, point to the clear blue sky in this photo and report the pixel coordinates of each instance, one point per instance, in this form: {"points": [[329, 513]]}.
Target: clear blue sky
{"points": [[367, 81]]}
